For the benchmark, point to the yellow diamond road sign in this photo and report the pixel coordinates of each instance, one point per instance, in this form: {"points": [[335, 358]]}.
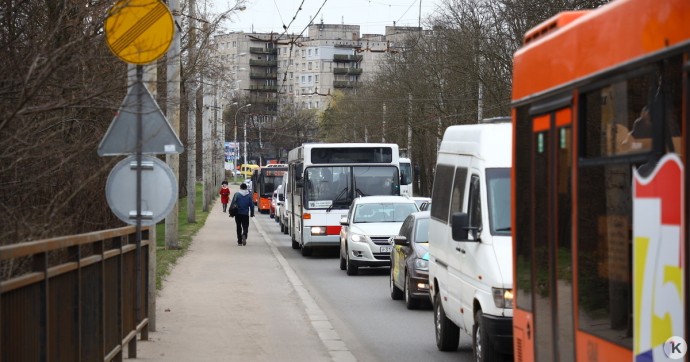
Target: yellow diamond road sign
{"points": [[139, 31]]}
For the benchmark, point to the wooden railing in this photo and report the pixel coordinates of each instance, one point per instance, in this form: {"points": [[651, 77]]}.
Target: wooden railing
{"points": [[76, 299]]}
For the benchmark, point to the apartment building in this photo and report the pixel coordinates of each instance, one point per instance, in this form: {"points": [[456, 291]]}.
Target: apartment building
{"points": [[270, 69]]}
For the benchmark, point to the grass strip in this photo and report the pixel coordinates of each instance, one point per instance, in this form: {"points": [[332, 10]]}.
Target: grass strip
{"points": [[167, 258]]}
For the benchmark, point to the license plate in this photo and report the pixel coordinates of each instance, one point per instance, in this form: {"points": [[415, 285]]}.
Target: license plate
{"points": [[386, 249]]}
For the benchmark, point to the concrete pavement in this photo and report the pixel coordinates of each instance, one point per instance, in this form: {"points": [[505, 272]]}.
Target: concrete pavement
{"points": [[224, 302]]}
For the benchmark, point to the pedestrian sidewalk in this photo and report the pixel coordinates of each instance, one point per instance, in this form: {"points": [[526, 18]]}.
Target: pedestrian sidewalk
{"points": [[224, 302]]}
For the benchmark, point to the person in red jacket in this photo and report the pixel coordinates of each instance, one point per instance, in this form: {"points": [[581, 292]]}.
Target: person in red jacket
{"points": [[224, 195]]}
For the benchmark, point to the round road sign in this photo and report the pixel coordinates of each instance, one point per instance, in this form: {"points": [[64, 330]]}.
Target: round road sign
{"points": [[139, 31], [158, 190]]}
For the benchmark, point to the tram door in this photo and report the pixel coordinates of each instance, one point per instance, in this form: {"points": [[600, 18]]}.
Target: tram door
{"points": [[546, 283]]}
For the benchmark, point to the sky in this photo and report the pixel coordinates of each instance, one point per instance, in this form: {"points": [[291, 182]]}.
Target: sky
{"points": [[263, 16]]}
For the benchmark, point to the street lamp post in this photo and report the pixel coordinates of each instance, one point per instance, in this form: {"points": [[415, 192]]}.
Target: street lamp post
{"points": [[245, 133]]}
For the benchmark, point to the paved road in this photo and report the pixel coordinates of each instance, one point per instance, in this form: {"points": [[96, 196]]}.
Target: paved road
{"points": [[373, 326]]}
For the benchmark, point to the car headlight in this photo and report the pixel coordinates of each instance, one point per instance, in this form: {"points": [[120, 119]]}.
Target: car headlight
{"points": [[358, 238], [503, 298], [421, 264]]}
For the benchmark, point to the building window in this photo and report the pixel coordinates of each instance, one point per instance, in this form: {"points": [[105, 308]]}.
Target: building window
{"points": [[304, 66], [234, 44], [316, 51], [302, 53], [303, 79], [291, 89], [309, 66], [317, 104], [309, 52], [316, 79], [290, 61], [291, 74]]}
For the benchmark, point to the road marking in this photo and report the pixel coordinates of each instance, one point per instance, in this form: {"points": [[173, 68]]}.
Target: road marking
{"points": [[319, 321]]}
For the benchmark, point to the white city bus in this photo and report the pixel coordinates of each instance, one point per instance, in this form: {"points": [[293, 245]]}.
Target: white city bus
{"points": [[326, 177]]}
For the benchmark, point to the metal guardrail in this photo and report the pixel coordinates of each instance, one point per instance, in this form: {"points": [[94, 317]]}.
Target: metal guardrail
{"points": [[77, 300]]}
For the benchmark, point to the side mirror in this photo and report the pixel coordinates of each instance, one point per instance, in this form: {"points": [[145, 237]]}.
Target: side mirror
{"points": [[400, 240], [343, 221], [460, 223]]}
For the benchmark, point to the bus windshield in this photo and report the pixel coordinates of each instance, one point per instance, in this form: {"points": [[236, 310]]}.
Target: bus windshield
{"points": [[336, 186], [498, 194], [270, 184]]}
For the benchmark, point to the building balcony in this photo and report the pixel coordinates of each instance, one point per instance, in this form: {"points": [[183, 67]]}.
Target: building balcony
{"points": [[259, 50], [343, 84], [263, 88], [263, 63], [347, 58], [262, 100], [263, 75], [350, 71]]}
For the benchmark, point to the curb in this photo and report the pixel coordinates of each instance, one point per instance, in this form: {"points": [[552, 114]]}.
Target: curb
{"points": [[319, 321]]}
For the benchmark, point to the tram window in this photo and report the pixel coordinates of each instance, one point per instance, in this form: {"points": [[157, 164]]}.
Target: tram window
{"points": [[605, 252], [622, 117], [616, 121]]}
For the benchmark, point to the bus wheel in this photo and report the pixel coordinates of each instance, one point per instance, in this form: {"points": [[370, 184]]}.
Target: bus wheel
{"points": [[306, 250], [447, 333], [295, 244]]}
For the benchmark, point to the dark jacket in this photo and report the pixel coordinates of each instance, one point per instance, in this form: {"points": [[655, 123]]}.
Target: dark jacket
{"points": [[243, 200]]}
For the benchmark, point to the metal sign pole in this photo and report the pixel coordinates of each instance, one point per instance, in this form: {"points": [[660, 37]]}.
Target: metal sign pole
{"points": [[140, 139]]}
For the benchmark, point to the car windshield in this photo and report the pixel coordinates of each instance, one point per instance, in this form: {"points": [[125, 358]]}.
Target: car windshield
{"points": [[498, 193], [383, 212], [421, 234]]}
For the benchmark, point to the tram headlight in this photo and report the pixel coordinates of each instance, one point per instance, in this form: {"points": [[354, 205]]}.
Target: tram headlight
{"points": [[503, 298], [318, 230]]}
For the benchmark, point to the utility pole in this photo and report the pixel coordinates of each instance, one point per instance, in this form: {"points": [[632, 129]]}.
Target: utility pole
{"points": [[173, 113], [206, 145], [409, 126], [191, 117], [383, 125]]}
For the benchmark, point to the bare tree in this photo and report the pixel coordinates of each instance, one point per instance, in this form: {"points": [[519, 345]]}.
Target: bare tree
{"points": [[60, 88]]}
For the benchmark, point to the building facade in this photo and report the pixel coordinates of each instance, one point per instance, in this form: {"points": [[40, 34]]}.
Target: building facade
{"points": [[273, 71]]}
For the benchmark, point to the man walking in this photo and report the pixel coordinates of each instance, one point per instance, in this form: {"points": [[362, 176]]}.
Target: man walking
{"points": [[245, 209]]}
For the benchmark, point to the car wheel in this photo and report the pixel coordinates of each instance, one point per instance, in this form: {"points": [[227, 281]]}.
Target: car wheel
{"points": [[342, 261], [481, 347], [447, 333], [350, 267], [287, 228], [410, 302], [396, 293]]}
